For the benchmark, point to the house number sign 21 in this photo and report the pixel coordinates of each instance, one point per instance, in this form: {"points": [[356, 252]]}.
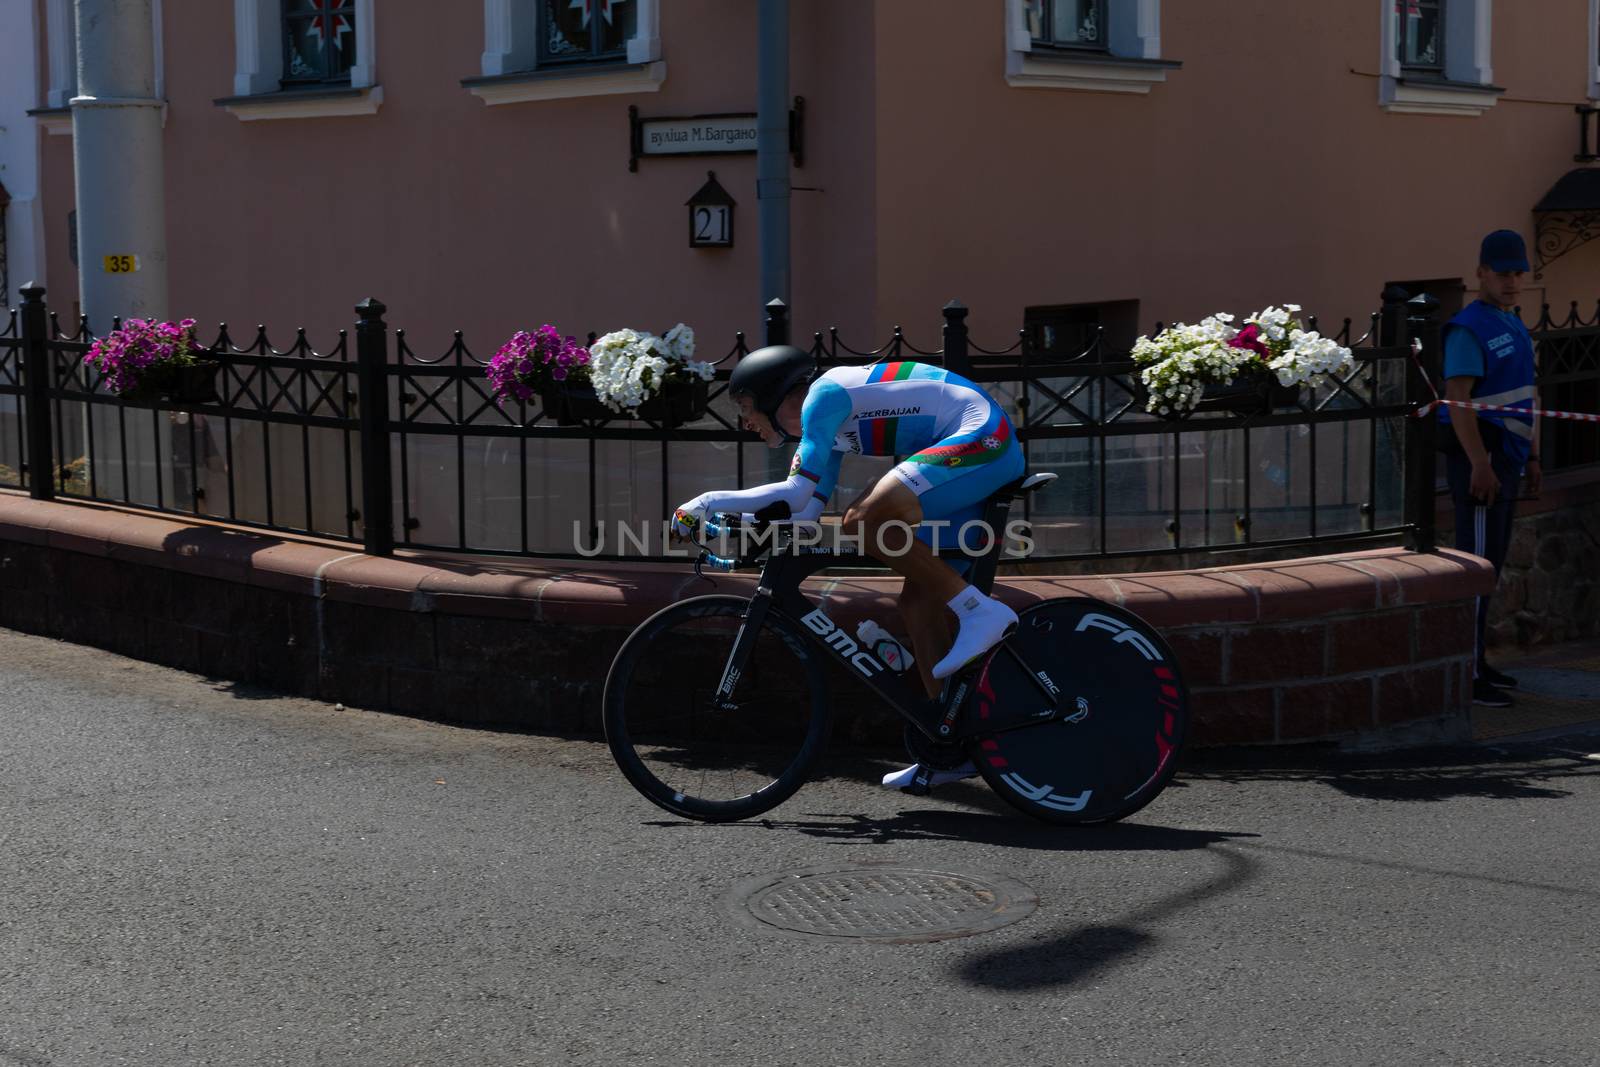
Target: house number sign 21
{"points": [[712, 225], [711, 215]]}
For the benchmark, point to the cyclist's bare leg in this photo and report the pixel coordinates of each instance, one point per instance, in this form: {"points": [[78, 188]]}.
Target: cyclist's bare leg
{"points": [[883, 519], [928, 624]]}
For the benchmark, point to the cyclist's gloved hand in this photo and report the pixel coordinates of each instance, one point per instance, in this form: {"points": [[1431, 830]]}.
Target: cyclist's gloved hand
{"points": [[689, 518]]}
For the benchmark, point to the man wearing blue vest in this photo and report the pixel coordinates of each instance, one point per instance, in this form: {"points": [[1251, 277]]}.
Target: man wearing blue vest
{"points": [[1488, 359]]}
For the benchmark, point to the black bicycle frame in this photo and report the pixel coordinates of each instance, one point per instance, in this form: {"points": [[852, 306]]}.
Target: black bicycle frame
{"points": [[791, 564]]}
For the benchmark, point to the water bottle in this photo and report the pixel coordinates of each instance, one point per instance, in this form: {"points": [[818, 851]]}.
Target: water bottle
{"points": [[890, 652]]}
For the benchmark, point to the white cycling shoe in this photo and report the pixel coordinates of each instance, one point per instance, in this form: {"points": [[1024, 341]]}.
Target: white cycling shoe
{"points": [[906, 780], [984, 624]]}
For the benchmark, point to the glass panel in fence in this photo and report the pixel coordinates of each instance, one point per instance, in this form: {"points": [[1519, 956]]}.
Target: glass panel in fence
{"points": [[1213, 488], [1343, 475], [1065, 514], [1280, 488], [283, 462], [1389, 506], [429, 502], [627, 482], [131, 459], [12, 428], [1140, 486], [558, 496], [491, 493]]}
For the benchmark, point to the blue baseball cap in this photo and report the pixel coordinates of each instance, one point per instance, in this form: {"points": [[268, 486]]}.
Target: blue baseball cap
{"points": [[1503, 250]]}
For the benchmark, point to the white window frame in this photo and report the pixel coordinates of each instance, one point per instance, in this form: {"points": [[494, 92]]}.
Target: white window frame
{"points": [[61, 33], [61, 39], [510, 69], [258, 91], [1131, 63], [1594, 49], [1468, 87]]}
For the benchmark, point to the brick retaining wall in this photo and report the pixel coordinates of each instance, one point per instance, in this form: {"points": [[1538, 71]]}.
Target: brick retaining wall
{"points": [[1371, 648]]}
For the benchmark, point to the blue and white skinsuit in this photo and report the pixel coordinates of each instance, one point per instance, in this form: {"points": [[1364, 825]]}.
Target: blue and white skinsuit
{"points": [[959, 446]]}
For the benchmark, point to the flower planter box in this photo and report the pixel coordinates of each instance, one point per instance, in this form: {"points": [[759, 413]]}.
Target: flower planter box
{"points": [[182, 385], [573, 403], [1248, 395]]}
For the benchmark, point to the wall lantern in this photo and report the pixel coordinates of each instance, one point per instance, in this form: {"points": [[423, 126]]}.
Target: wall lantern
{"points": [[711, 215]]}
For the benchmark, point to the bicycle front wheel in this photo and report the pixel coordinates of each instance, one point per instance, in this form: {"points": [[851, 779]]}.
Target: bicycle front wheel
{"points": [[700, 756]]}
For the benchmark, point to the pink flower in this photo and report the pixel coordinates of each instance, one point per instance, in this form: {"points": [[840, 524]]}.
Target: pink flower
{"points": [[1250, 337]]}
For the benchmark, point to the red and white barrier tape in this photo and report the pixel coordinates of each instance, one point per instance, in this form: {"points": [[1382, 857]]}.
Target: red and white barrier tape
{"points": [[1438, 401], [1578, 416]]}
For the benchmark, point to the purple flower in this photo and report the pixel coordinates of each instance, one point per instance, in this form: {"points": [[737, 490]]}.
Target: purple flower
{"points": [[138, 346], [529, 360]]}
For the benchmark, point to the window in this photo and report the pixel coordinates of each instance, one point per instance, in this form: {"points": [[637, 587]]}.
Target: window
{"points": [[549, 49], [585, 31], [303, 59], [319, 42], [1594, 49], [1067, 23], [1435, 58], [1095, 333], [61, 39], [61, 30], [1103, 46], [1419, 35]]}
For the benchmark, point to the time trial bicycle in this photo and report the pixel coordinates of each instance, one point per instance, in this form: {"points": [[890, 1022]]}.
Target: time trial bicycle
{"points": [[717, 707]]}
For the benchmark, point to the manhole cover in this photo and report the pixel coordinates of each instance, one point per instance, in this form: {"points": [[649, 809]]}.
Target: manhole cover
{"points": [[884, 905]]}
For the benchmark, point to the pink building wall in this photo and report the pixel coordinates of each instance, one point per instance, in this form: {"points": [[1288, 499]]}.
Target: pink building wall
{"points": [[460, 215], [1264, 170]]}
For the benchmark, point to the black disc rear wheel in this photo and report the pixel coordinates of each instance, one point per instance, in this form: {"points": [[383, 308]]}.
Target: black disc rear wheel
{"points": [[708, 758], [1126, 713]]}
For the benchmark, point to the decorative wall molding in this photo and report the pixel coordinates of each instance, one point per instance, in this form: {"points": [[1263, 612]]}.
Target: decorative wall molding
{"points": [[565, 83], [1131, 63], [304, 104]]}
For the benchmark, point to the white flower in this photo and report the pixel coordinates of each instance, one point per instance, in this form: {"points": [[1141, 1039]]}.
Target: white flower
{"points": [[628, 367], [680, 341]]}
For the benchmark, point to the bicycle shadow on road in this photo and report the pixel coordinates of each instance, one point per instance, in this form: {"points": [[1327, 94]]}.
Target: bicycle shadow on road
{"points": [[1086, 952], [1526, 771]]}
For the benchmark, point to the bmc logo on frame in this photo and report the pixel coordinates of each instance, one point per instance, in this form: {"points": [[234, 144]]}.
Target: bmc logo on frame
{"points": [[841, 643]]}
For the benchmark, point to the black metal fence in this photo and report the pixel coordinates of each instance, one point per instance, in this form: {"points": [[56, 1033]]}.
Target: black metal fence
{"points": [[386, 448], [1569, 380]]}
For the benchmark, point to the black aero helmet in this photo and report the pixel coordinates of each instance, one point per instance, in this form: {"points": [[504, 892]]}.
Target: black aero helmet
{"points": [[769, 374]]}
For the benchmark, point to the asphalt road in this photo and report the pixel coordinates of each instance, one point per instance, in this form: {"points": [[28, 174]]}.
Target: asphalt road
{"points": [[199, 874]]}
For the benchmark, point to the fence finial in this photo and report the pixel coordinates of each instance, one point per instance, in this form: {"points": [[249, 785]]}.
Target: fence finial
{"points": [[956, 357], [777, 322]]}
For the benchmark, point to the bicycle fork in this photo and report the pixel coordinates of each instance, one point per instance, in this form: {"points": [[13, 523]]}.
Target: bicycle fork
{"points": [[743, 642]]}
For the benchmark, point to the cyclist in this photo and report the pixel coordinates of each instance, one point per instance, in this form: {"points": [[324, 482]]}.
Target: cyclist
{"points": [[959, 448]]}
